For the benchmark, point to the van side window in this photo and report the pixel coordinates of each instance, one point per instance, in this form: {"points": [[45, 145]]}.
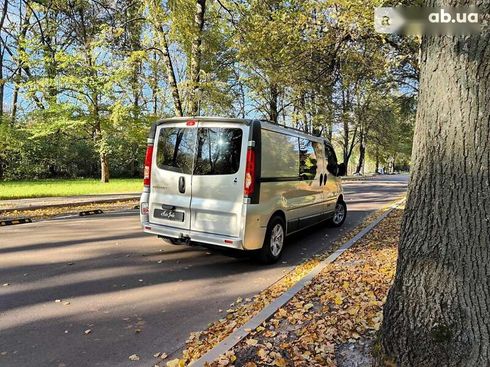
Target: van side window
{"points": [[331, 159], [310, 156], [280, 156], [175, 149], [218, 151]]}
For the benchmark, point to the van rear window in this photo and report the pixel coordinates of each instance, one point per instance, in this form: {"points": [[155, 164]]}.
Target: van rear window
{"points": [[175, 151], [214, 151], [218, 151]]}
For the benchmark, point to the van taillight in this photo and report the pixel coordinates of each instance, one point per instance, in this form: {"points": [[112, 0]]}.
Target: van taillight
{"points": [[249, 173], [147, 172]]}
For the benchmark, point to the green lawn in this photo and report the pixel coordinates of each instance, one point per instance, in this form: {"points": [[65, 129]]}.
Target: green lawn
{"points": [[42, 188]]}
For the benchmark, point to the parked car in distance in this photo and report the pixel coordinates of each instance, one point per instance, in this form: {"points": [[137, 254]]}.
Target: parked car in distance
{"points": [[236, 183]]}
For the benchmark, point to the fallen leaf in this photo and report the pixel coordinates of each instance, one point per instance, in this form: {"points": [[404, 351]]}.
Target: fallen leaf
{"points": [[174, 363], [338, 299], [262, 353], [280, 362], [134, 357], [308, 306], [223, 362]]}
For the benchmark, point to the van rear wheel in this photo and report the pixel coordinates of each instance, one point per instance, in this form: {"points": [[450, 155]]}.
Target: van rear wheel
{"points": [[339, 215], [273, 245]]}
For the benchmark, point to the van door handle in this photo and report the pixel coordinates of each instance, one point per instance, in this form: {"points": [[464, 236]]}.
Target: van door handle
{"points": [[181, 184]]}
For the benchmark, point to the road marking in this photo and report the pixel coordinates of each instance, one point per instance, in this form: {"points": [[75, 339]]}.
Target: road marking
{"points": [[234, 338]]}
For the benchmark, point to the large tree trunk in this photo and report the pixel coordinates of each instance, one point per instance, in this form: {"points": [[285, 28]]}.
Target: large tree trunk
{"points": [[2, 84], [195, 62], [104, 167], [273, 103], [304, 112], [103, 158], [438, 310], [154, 84], [18, 75], [2, 54], [362, 152], [172, 81], [155, 17], [15, 99]]}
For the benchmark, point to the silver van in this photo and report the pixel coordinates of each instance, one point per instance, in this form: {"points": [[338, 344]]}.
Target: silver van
{"points": [[235, 183]]}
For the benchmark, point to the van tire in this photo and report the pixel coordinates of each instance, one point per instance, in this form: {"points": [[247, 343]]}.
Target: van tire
{"points": [[339, 215], [272, 250]]}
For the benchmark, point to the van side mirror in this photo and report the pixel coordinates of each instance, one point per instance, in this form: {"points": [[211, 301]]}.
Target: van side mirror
{"points": [[341, 169]]}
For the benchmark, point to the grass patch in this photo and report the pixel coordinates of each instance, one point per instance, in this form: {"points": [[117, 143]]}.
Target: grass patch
{"points": [[55, 187]]}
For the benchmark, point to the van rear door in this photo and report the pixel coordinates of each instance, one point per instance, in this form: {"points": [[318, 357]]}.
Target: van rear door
{"points": [[218, 180], [171, 181]]}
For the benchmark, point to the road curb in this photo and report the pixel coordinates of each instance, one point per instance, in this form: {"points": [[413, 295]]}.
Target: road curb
{"points": [[235, 337], [90, 212], [72, 204], [11, 222]]}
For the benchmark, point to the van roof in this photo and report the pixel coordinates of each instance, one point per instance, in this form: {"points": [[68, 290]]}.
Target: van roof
{"points": [[205, 118], [233, 120]]}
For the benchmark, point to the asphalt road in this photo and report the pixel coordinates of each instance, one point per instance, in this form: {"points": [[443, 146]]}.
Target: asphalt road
{"points": [[135, 293]]}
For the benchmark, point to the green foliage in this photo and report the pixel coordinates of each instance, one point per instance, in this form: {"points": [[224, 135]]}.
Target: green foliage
{"points": [[92, 77]]}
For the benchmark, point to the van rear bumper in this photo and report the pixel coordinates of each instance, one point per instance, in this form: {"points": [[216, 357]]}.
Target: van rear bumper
{"points": [[193, 236]]}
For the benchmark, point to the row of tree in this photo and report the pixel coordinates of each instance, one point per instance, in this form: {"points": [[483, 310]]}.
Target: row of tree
{"points": [[81, 80]]}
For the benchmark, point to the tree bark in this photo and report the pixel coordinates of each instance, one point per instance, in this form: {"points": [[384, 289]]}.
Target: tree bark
{"points": [[104, 168], [15, 99], [438, 310], [304, 113], [18, 75], [103, 157], [172, 81], [2, 84], [195, 62], [154, 84], [2, 54], [155, 18], [274, 96], [362, 152]]}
